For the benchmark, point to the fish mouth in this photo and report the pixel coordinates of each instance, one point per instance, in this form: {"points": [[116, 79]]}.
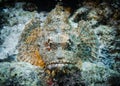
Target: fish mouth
{"points": [[60, 64], [61, 67]]}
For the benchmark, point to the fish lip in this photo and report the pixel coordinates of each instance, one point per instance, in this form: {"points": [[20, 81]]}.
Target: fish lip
{"points": [[59, 64]]}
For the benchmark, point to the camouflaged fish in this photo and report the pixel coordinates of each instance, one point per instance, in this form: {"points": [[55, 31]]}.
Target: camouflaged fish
{"points": [[57, 44]]}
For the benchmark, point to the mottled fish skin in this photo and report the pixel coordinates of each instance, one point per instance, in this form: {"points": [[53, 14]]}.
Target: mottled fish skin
{"points": [[57, 43]]}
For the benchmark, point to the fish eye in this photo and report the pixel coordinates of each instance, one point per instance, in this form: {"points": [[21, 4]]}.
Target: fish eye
{"points": [[53, 46], [68, 47]]}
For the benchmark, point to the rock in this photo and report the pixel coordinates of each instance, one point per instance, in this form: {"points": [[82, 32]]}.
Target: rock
{"points": [[19, 74], [99, 75], [25, 74]]}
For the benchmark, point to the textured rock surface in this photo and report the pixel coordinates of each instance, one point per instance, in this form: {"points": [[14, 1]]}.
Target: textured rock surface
{"points": [[99, 74], [25, 74], [19, 74]]}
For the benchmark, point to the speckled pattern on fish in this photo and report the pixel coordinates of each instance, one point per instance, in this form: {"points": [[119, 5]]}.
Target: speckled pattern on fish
{"points": [[57, 43]]}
